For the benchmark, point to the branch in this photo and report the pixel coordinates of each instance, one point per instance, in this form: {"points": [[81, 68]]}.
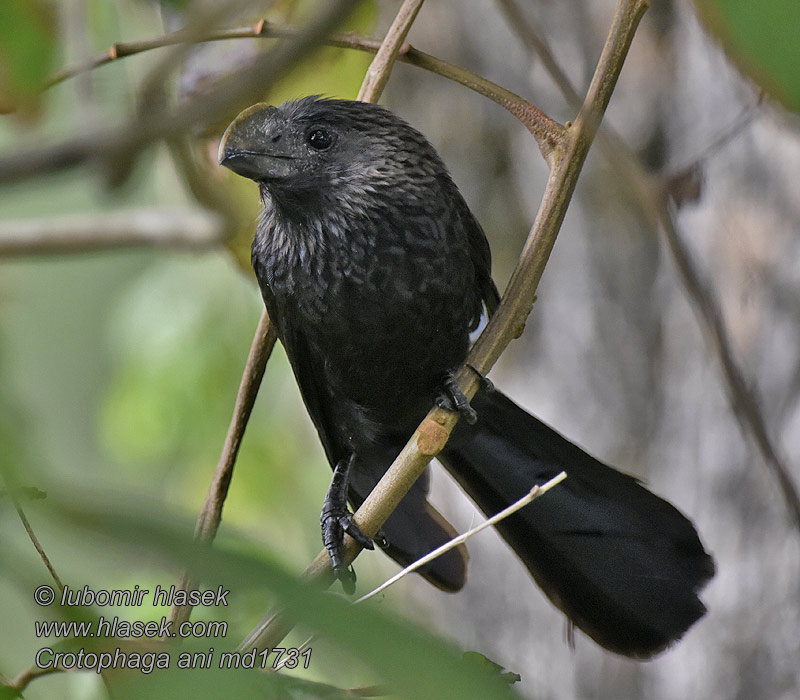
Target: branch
{"points": [[192, 229], [546, 131], [19, 683], [11, 492], [24, 679], [649, 192], [506, 323], [532, 495], [742, 396], [378, 72]]}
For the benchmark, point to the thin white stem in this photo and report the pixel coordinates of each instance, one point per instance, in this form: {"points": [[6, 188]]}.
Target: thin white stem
{"points": [[534, 493]]}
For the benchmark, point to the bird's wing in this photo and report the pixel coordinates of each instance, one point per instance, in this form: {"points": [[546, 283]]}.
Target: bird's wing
{"points": [[481, 257], [308, 372]]}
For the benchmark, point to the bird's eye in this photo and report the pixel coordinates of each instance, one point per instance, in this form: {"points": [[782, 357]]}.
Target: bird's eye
{"points": [[320, 139]]}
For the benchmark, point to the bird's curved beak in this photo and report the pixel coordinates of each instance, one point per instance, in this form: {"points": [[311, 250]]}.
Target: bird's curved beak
{"points": [[254, 145]]}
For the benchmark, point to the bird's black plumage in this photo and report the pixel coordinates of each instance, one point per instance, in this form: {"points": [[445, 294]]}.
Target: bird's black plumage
{"points": [[374, 272]]}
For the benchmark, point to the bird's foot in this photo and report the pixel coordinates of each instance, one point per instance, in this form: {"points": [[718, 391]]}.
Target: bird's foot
{"points": [[453, 399], [336, 520]]}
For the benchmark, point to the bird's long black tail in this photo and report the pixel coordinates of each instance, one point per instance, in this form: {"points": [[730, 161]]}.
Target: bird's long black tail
{"points": [[624, 565]]}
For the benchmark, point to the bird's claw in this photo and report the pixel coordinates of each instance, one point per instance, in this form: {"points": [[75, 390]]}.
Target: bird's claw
{"points": [[336, 520], [453, 399]]}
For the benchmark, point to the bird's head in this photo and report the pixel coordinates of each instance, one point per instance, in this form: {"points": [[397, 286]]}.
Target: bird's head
{"points": [[311, 147]]}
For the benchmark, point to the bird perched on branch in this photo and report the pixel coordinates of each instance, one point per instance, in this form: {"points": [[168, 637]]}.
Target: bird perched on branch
{"points": [[374, 272]]}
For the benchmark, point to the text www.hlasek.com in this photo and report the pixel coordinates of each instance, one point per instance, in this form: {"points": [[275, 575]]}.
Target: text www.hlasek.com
{"points": [[136, 629]]}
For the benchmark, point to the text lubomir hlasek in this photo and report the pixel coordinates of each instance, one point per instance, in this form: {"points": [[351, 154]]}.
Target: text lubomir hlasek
{"points": [[136, 596]]}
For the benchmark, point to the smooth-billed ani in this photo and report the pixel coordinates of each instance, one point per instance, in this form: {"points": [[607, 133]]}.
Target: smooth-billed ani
{"points": [[374, 272]]}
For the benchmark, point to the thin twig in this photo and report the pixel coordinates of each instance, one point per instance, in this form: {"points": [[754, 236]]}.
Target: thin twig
{"points": [[743, 397], [38, 545], [124, 49], [23, 679], [10, 491], [263, 342], [181, 228], [547, 132], [381, 66], [506, 323], [533, 494]]}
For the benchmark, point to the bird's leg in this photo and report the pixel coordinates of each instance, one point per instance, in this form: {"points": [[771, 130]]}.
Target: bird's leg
{"points": [[453, 399], [336, 519]]}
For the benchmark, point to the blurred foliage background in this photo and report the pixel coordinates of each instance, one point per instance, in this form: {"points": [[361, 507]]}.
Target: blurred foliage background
{"points": [[118, 368]]}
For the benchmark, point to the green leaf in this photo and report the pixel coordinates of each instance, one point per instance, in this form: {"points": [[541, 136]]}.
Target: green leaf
{"points": [[412, 662], [27, 50], [761, 38]]}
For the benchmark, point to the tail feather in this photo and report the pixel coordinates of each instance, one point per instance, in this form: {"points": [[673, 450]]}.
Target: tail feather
{"points": [[415, 528], [623, 564]]}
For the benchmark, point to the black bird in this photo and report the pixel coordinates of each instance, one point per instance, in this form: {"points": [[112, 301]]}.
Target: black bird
{"points": [[374, 272]]}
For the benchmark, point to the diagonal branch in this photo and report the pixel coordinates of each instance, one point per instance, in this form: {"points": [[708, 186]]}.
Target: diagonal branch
{"points": [[532, 495], [37, 545], [378, 72], [536, 492], [743, 397]]}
